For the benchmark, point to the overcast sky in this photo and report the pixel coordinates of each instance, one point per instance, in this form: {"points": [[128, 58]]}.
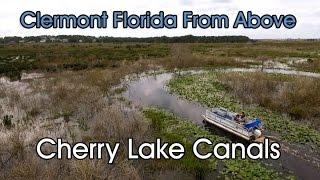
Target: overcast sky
{"points": [[307, 13]]}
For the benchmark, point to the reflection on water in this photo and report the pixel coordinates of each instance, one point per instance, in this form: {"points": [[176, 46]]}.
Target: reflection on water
{"points": [[150, 91]]}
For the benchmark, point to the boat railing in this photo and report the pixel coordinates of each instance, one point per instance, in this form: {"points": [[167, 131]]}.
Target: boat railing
{"points": [[234, 125]]}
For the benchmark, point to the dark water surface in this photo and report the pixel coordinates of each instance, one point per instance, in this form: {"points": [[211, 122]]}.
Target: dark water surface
{"points": [[150, 91]]}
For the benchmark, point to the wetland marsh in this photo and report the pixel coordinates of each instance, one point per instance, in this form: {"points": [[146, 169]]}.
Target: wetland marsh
{"points": [[115, 91]]}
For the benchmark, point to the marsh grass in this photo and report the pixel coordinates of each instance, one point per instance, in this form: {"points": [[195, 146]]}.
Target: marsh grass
{"points": [[268, 49], [312, 65], [297, 96], [60, 57], [70, 103], [173, 129], [216, 90], [182, 56]]}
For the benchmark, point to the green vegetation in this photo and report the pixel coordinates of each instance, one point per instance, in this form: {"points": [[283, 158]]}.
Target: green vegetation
{"points": [[207, 89], [55, 57], [173, 129], [52, 57], [120, 90], [298, 97], [76, 100], [271, 49], [83, 125], [257, 52]]}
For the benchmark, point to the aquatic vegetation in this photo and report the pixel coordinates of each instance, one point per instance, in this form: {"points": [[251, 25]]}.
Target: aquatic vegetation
{"points": [[173, 129], [120, 90], [203, 88], [271, 49], [245, 169], [208, 90]]}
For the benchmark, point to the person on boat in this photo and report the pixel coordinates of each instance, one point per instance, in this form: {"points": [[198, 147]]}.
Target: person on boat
{"points": [[240, 118], [242, 115], [236, 117]]}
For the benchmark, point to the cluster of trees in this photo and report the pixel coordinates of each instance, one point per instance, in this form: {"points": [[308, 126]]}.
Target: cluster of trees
{"points": [[60, 38], [106, 39], [179, 39]]}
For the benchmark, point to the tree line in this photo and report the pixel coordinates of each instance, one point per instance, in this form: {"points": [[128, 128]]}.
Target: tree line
{"points": [[106, 39]]}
